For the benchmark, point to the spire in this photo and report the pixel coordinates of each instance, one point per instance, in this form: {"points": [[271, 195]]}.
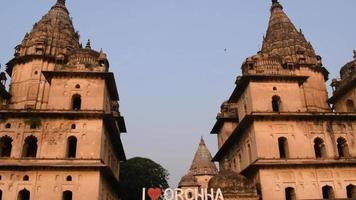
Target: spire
{"points": [[88, 45], [202, 141], [283, 39], [276, 4], [202, 164], [354, 54], [62, 2], [53, 35]]}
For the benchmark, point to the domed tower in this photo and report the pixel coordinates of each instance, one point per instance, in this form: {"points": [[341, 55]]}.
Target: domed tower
{"points": [[344, 96], [277, 128], [60, 126], [287, 57], [50, 41], [201, 170]]}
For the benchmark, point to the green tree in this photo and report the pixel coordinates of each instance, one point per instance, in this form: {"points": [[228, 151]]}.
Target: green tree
{"points": [[137, 173]]}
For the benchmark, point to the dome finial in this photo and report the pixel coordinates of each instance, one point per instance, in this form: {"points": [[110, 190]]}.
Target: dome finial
{"points": [[354, 54], [88, 46], [276, 4], [63, 2], [202, 141]]}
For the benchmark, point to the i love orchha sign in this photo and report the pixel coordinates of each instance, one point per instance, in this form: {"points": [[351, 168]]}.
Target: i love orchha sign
{"points": [[179, 194]]}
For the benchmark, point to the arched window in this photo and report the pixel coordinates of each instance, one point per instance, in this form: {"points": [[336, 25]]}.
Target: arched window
{"points": [[276, 103], [328, 192], [76, 102], [290, 193], [8, 125], [283, 147], [239, 163], [350, 106], [67, 195], [24, 195], [342, 148], [69, 178], [319, 148], [30, 147], [5, 146], [71, 147], [0, 194], [351, 191], [249, 151], [26, 178]]}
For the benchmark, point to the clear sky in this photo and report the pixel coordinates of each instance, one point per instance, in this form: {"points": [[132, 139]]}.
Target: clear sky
{"points": [[169, 60]]}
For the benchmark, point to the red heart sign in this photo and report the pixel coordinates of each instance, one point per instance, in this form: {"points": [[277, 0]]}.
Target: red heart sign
{"points": [[154, 193]]}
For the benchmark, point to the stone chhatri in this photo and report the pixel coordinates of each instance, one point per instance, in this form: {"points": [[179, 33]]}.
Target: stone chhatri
{"points": [[60, 123], [202, 164]]}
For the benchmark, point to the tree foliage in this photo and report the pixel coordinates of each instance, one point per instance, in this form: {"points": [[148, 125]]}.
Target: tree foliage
{"points": [[138, 173]]}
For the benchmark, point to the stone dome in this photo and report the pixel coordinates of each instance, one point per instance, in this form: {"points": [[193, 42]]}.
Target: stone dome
{"points": [[188, 180], [348, 70], [87, 57], [54, 35], [51, 38], [284, 40], [231, 182]]}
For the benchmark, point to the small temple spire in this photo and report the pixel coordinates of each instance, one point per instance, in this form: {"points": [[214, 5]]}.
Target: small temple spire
{"points": [[88, 45], [354, 54], [202, 164]]}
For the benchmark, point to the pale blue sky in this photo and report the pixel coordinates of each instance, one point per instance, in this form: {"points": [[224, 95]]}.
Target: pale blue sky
{"points": [[169, 59]]}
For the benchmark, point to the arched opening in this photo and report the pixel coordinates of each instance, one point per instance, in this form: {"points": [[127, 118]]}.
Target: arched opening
{"points": [[0, 194], [69, 178], [8, 125], [249, 151], [276, 103], [351, 191], [239, 163], [76, 102], [290, 193], [71, 147], [319, 148], [26, 178], [328, 192], [24, 195], [73, 126], [283, 147], [342, 148], [5, 146], [350, 106], [30, 147], [77, 86], [67, 195]]}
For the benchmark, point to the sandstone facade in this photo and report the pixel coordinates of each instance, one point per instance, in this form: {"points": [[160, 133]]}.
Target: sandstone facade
{"points": [[280, 130], [60, 123]]}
